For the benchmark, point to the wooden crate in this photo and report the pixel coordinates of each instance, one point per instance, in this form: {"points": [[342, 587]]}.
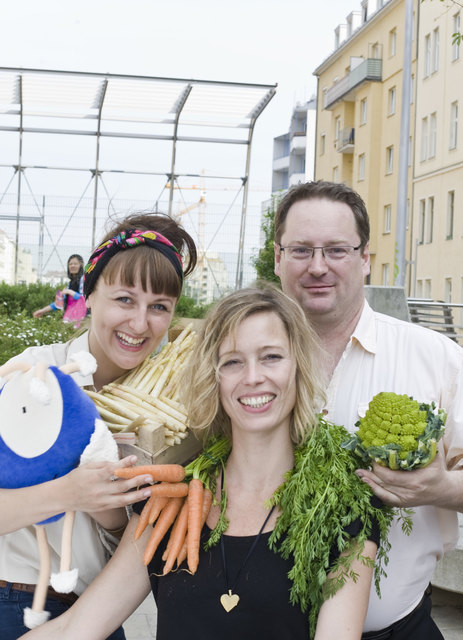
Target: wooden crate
{"points": [[179, 454]]}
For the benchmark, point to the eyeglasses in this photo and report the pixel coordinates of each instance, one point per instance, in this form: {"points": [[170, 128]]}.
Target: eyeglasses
{"points": [[329, 253]]}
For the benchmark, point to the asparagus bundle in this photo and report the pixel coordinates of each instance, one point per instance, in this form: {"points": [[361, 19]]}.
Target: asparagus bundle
{"points": [[148, 396]]}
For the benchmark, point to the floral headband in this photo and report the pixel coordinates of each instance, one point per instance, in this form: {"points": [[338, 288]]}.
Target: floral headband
{"points": [[128, 239]]}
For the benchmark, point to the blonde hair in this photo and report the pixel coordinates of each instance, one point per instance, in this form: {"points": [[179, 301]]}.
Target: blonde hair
{"points": [[201, 378]]}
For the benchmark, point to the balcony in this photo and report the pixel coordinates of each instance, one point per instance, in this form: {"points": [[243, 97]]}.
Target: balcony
{"points": [[370, 70], [346, 140], [280, 164], [298, 143]]}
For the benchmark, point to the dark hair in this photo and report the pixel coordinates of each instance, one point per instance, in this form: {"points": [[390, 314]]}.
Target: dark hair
{"points": [[74, 278], [146, 263], [337, 192]]}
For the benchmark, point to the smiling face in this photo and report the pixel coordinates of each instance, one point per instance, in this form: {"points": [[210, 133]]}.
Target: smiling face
{"points": [[257, 376], [325, 290], [74, 266], [126, 327]]}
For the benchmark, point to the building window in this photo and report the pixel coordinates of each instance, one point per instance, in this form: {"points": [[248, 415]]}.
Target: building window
{"points": [[419, 288], [391, 100], [448, 290], [427, 55], [389, 159], [392, 42], [450, 215], [336, 174], [363, 111], [362, 166], [421, 221], [424, 139], [322, 144], [364, 9], [453, 125], [427, 288], [387, 218], [385, 276], [432, 135], [337, 129], [430, 220], [435, 51], [456, 25], [375, 51]]}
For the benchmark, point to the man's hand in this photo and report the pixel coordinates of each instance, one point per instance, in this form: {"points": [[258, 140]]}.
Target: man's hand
{"points": [[430, 485]]}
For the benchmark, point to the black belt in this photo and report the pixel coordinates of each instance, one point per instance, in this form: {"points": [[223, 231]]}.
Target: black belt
{"points": [[67, 598], [387, 632]]}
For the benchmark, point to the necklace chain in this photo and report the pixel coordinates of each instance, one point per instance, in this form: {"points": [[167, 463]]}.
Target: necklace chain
{"points": [[230, 600]]}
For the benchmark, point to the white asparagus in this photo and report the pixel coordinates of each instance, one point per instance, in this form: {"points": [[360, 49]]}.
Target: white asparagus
{"points": [[112, 417], [149, 393]]}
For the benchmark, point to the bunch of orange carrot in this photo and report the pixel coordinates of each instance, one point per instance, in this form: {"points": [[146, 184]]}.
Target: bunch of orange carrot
{"points": [[173, 502]]}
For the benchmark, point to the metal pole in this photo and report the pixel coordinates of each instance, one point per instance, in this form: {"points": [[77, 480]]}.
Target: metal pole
{"points": [[253, 118], [97, 161], [239, 265], [402, 187], [180, 105], [18, 199], [41, 227]]}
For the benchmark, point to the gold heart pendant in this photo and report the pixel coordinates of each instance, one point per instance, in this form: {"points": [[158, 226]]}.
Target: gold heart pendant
{"points": [[229, 600]]}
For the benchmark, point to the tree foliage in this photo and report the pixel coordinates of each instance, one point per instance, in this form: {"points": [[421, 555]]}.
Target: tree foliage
{"points": [[457, 37], [264, 262]]}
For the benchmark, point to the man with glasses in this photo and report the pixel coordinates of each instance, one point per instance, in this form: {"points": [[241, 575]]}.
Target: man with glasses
{"points": [[322, 258]]}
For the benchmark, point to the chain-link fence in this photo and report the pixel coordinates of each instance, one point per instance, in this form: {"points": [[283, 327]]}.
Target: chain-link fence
{"points": [[51, 228]]}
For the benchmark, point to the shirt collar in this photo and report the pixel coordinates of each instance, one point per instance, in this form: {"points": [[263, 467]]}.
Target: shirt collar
{"points": [[75, 346], [365, 331]]}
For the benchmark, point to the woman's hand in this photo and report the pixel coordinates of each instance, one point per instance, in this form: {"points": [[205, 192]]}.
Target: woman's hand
{"points": [[93, 487], [41, 312]]}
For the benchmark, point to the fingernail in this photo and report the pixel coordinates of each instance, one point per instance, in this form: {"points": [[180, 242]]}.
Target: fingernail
{"points": [[146, 494], [148, 480]]}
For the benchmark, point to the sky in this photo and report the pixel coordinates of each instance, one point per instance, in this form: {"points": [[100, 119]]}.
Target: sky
{"points": [[261, 41], [255, 41]]}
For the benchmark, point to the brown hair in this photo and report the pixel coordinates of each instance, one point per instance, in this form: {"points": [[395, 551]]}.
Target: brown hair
{"points": [[146, 263], [337, 192]]}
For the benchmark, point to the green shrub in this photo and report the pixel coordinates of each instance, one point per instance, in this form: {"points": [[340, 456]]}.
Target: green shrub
{"points": [[19, 331], [187, 308], [25, 297]]}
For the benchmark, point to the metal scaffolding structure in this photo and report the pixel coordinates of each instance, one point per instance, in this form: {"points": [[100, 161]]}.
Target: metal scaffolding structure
{"points": [[126, 107]]}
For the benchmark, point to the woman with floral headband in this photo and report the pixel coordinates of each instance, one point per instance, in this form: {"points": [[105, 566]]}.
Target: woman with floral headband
{"points": [[131, 284]]}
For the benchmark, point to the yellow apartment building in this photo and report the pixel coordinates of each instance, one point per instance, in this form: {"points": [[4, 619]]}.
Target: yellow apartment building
{"points": [[438, 164], [359, 121]]}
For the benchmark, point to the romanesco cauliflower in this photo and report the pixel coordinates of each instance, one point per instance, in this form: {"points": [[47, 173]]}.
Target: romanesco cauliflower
{"points": [[398, 432]]}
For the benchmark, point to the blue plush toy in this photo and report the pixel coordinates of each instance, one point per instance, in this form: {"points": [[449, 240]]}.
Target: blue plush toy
{"points": [[48, 427]]}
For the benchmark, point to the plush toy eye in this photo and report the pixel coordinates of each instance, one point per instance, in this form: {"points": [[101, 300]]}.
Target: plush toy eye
{"points": [[24, 409]]}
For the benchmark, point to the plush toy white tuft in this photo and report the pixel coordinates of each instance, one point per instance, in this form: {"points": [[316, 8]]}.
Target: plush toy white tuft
{"points": [[49, 426]]}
